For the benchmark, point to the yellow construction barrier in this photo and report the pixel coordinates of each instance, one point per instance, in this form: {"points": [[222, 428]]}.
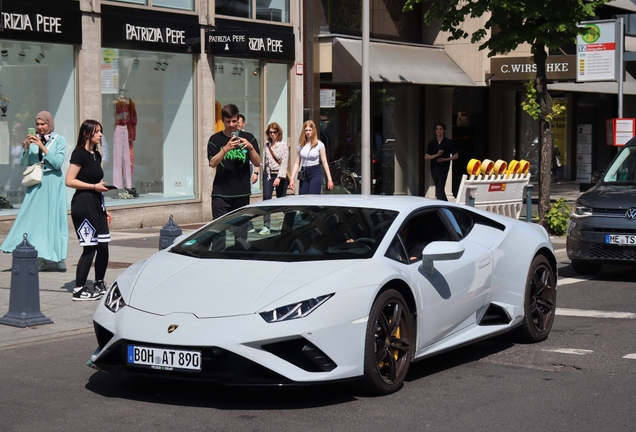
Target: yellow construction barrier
{"points": [[498, 187], [477, 168]]}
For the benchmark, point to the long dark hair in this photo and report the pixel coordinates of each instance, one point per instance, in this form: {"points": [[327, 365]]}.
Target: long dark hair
{"points": [[86, 132]]}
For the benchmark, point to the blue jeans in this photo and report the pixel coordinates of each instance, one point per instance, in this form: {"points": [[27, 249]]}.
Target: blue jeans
{"points": [[312, 184], [268, 190]]}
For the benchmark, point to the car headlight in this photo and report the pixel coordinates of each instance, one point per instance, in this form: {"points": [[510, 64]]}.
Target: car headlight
{"points": [[294, 310], [114, 301], [581, 211]]}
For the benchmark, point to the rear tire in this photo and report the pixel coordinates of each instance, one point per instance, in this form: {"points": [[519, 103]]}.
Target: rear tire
{"points": [[539, 302], [388, 344], [584, 267]]}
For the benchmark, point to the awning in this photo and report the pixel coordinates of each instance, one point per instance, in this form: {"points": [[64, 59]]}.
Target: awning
{"points": [[622, 4], [629, 86], [391, 63]]}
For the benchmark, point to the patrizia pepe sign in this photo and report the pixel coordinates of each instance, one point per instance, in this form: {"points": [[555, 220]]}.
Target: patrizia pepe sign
{"points": [[155, 34], [128, 28], [39, 21], [251, 43]]}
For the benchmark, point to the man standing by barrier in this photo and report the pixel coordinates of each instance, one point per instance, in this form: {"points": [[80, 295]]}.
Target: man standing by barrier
{"points": [[440, 151]]}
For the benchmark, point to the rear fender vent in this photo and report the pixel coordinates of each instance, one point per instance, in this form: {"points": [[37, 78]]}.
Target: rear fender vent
{"points": [[495, 315]]}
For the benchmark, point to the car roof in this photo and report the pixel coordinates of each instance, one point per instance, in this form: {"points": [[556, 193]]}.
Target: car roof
{"points": [[631, 142], [386, 202]]}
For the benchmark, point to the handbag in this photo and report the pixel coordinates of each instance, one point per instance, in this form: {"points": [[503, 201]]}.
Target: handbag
{"points": [[301, 174], [32, 175]]}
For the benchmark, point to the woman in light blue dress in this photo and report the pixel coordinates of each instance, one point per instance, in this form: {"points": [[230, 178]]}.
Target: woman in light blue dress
{"points": [[43, 215]]}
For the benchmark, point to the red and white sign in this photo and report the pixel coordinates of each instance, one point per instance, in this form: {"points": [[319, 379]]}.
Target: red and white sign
{"points": [[497, 187]]}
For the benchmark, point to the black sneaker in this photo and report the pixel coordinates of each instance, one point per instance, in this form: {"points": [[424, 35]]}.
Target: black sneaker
{"points": [[85, 294], [100, 287]]}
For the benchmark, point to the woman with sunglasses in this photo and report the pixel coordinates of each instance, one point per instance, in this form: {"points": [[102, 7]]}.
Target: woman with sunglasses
{"points": [[275, 160]]}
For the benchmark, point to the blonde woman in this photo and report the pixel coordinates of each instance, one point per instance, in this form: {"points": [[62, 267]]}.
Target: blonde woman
{"points": [[311, 153]]}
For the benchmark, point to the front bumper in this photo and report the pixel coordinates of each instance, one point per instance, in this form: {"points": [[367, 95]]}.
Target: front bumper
{"points": [[586, 240], [241, 350]]}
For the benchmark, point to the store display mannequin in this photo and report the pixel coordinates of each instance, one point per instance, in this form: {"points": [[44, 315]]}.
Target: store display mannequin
{"points": [[121, 151]]}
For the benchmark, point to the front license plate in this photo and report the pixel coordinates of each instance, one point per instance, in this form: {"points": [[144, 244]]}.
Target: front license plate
{"points": [[622, 239], [164, 359]]}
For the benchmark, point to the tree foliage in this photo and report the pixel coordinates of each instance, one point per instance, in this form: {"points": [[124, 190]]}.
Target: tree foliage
{"points": [[542, 24], [549, 22]]}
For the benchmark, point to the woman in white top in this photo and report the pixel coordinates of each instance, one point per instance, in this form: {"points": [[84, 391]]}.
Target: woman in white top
{"points": [[311, 153]]}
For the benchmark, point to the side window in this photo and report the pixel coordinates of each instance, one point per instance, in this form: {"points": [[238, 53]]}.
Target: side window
{"points": [[460, 219], [422, 229], [396, 251]]}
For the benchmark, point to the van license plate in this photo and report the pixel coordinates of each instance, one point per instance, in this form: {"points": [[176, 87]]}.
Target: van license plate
{"points": [[622, 239]]}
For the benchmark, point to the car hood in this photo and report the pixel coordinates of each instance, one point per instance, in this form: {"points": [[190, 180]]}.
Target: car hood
{"points": [[609, 197], [209, 288]]}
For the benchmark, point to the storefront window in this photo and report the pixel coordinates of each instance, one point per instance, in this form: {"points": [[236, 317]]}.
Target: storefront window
{"points": [[173, 4], [268, 10], [149, 142], [33, 78], [238, 82], [341, 132], [387, 18], [277, 107]]}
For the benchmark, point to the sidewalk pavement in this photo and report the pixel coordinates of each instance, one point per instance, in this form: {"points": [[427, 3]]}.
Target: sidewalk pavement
{"points": [[127, 247], [73, 317]]}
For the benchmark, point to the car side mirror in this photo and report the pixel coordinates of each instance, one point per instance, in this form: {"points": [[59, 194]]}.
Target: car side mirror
{"points": [[440, 251]]}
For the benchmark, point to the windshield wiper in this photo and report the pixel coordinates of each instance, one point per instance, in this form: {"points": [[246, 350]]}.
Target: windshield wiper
{"points": [[185, 252]]}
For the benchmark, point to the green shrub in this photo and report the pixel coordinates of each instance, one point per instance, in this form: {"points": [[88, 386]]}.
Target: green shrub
{"points": [[558, 216]]}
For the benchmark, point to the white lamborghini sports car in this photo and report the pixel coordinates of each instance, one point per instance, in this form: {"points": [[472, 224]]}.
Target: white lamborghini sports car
{"points": [[341, 288]]}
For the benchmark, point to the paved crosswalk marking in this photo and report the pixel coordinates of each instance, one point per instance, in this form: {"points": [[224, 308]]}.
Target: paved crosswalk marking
{"points": [[630, 356], [594, 313], [568, 281], [570, 351]]}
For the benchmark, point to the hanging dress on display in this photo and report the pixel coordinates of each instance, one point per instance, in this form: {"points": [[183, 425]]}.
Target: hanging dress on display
{"points": [[121, 151]]}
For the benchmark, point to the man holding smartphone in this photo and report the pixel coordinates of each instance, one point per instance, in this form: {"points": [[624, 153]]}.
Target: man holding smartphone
{"points": [[230, 152]]}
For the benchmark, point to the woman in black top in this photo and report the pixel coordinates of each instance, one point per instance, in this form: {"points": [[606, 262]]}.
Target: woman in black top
{"points": [[89, 214]]}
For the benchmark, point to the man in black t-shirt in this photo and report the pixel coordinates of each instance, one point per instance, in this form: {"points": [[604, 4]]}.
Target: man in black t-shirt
{"points": [[231, 156], [440, 151]]}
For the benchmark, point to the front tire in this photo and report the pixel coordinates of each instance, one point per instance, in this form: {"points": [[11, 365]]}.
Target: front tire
{"points": [[388, 344], [539, 301]]}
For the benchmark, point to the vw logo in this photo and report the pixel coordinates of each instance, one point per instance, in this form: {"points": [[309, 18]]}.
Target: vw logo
{"points": [[172, 327], [630, 214]]}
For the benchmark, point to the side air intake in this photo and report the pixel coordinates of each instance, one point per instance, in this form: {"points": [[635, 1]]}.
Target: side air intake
{"points": [[495, 315]]}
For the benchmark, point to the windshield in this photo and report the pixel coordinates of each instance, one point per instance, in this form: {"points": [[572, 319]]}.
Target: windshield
{"points": [[623, 168], [295, 234]]}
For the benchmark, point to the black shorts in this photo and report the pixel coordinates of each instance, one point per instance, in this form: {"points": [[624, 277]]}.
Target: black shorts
{"points": [[89, 218]]}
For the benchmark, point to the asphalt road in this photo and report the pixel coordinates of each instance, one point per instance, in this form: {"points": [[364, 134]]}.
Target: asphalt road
{"points": [[582, 378]]}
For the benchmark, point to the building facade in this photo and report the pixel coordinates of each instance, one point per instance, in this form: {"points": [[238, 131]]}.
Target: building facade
{"points": [[151, 73]]}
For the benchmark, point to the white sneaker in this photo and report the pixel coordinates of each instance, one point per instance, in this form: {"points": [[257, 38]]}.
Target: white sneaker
{"points": [[264, 231]]}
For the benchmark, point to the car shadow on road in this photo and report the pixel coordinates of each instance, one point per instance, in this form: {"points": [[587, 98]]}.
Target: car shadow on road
{"points": [[198, 394], [457, 357], [210, 395]]}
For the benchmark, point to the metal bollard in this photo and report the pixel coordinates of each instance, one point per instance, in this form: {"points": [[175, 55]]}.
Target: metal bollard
{"points": [[24, 297], [470, 195], [529, 202], [168, 233]]}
